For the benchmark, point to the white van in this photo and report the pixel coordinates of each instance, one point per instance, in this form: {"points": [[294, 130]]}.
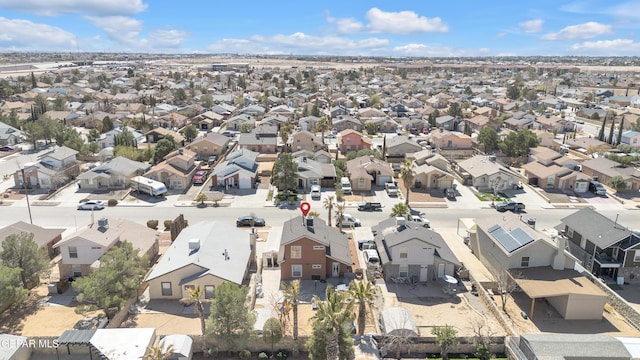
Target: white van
{"points": [[371, 257], [346, 185], [315, 192], [349, 220]]}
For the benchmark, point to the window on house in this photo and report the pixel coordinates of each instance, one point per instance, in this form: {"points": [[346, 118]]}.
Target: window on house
{"points": [[636, 256], [570, 233], [316, 266], [209, 291], [73, 252], [76, 271], [96, 247], [361, 183], [166, 289], [524, 261], [296, 252], [318, 247], [296, 271], [187, 289], [403, 270], [404, 253]]}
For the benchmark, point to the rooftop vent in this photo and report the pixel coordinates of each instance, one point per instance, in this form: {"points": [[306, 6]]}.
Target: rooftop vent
{"points": [[194, 244], [103, 222]]}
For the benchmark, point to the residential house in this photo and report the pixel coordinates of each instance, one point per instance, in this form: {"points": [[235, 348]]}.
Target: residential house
{"points": [[312, 250], [282, 110], [211, 144], [351, 140], [240, 170], [223, 109], [261, 144], [235, 123], [382, 124], [274, 120], [54, 169], [587, 144], [604, 246], [154, 135], [485, 174], [44, 238], [545, 138], [414, 122], [604, 169], [574, 346], [253, 110], [113, 174], [518, 123], [108, 139], [304, 140], [431, 171], [208, 120], [202, 256], [82, 250], [367, 171], [9, 135], [311, 172], [398, 147], [176, 170], [412, 251], [446, 122], [337, 111], [546, 267], [628, 137], [309, 123], [548, 170], [173, 120], [344, 122], [451, 144], [321, 156]]}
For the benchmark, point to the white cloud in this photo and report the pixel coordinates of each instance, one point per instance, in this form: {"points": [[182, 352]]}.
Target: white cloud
{"points": [[349, 26], [121, 29], [90, 7], [531, 26], [402, 22], [25, 34], [579, 32], [607, 47], [166, 38]]}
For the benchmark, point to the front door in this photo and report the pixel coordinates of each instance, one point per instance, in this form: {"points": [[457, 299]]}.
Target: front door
{"points": [[440, 270], [336, 269], [424, 271]]}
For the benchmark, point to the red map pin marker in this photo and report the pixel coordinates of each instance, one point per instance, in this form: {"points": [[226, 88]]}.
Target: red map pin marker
{"points": [[305, 207]]}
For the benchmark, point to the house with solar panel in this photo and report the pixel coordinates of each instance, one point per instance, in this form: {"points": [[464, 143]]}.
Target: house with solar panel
{"points": [[542, 267]]}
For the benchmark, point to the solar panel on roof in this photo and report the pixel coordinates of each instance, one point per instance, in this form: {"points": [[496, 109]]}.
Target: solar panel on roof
{"points": [[511, 240]]}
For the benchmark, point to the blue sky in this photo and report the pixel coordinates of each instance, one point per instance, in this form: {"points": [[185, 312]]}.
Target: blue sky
{"points": [[351, 27]]}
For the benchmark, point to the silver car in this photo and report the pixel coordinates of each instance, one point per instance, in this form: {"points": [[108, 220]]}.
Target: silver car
{"points": [[91, 205]]}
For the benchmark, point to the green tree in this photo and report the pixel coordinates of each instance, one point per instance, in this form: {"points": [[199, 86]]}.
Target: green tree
{"points": [[107, 124], [272, 332], [190, 132], [125, 138], [158, 352], [407, 175], [339, 214], [202, 197], [620, 130], [245, 128], [323, 125], [20, 251], [489, 138], [617, 182], [163, 148], [33, 81], [60, 103], [195, 298], [179, 95], [446, 337], [595, 116], [333, 319], [291, 293], [285, 172], [375, 101], [12, 290], [328, 204], [399, 209], [230, 322], [33, 132], [207, 101], [513, 92], [370, 127], [115, 281], [364, 295], [455, 110], [315, 111], [518, 144], [468, 91]]}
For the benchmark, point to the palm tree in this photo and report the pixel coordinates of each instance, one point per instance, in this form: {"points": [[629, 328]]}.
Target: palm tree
{"points": [[339, 215], [363, 294], [291, 294], [323, 125], [195, 299], [332, 314], [156, 352], [399, 209], [328, 204], [407, 174]]}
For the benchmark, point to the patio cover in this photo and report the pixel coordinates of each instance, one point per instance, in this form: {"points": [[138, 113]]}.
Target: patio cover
{"points": [[398, 321]]}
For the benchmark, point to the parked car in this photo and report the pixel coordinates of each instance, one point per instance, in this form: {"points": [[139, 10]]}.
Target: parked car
{"points": [[91, 205], [366, 244], [7, 148], [315, 192], [510, 205], [250, 221], [369, 206], [349, 220], [450, 193], [391, 188], [346, 185], [597, 188], [212, 159], [200, 177], [371, 257]]}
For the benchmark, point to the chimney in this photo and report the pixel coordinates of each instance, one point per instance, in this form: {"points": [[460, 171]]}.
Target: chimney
{"points": [[400, 221], [559, 257], [310, 222], [194, 244], [103, 222], [181, 151]]}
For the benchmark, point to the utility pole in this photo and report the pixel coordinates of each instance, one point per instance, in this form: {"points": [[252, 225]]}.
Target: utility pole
{"points": [[26, 192]]}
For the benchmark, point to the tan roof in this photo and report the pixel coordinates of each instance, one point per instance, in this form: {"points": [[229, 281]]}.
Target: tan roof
{"points": [[539, 282], [41, 235]]}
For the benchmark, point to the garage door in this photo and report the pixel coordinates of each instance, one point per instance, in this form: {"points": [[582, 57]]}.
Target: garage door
{"points": [[245, 183]]}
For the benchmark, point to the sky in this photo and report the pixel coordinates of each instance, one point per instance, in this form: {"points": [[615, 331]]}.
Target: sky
{"points": [[424, 28]]}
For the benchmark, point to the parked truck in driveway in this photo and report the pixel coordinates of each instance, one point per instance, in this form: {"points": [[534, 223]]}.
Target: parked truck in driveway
{"points": [[510, 205], [369, 206]]}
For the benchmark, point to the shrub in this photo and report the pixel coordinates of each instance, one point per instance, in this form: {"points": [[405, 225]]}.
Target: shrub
{"points": [[282, 354], [153, 224], [245, 354], [112, 202], [167, 224], [83, 201], [263, 355]]}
